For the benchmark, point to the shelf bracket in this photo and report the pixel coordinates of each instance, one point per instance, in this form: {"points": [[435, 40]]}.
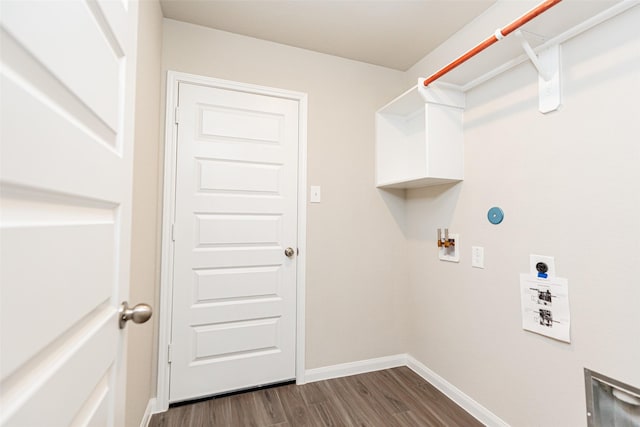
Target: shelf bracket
{"points": [[547, 62]]}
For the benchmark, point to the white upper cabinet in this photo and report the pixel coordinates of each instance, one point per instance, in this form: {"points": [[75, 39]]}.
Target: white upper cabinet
{"points": [[419, 138]]}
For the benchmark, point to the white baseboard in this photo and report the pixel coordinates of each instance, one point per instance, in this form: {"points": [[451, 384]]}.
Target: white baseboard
{"points": [[146, 418], [354, 368], [478, 411]]}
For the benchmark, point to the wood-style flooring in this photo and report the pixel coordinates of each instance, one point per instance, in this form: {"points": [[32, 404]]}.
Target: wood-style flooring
{"points": [[390, 398]]}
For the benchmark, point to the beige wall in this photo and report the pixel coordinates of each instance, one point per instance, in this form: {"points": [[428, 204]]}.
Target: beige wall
{"points": [[141, 354], [569, 184], [356, 268]]}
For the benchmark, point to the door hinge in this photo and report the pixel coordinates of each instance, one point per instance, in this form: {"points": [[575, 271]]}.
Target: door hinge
{"points": [[173, 232], [176, 115], [169, 353]]}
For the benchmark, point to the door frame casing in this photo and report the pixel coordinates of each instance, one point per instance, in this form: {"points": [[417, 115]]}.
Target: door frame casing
{"points": [[168, 218]]}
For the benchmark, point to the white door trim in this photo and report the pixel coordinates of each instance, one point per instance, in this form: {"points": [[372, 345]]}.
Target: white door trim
{"points": [[166, 283]]}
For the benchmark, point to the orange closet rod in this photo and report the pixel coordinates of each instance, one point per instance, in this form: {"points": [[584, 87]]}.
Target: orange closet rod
{"points": [[499, 35]]}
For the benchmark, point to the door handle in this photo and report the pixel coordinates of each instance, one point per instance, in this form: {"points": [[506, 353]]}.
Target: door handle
{"points": [[289, 252], [139, 313]]}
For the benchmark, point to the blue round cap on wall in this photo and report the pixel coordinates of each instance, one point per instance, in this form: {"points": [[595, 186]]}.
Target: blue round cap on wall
{"points": [[495, 215]]}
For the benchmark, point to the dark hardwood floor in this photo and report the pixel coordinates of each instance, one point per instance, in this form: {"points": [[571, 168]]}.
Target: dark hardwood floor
{"points": [[391, 398]]}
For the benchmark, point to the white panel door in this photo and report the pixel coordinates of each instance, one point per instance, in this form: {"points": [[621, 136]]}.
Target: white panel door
{"points": [[234, 289], [65, 188]]}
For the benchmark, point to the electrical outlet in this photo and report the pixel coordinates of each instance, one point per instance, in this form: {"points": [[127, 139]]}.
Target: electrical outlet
{"points": [[477, 256]]}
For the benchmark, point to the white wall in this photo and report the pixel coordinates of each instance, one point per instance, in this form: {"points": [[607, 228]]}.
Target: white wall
{"points": [[569, 183], [356, 267]]}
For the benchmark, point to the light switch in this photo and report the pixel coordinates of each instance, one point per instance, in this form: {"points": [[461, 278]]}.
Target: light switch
{"points": [[477, 256], [314, 196]]}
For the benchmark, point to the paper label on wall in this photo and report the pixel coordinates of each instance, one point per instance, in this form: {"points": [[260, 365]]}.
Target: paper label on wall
{"points": [[545, 306]]}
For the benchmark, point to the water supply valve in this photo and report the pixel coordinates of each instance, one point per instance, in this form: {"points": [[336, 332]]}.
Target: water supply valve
{"points": [[444, 240], [448, 246]]}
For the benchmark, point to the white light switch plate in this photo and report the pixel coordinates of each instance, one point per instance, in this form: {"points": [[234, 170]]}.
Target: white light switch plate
{"points": [[314, 194]]}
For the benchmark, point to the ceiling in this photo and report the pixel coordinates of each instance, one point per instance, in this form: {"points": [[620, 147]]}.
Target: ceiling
{"points": [[391, 33]]}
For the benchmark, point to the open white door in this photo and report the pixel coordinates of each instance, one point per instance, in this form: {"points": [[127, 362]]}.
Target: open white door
{"points": [[67, 88]]}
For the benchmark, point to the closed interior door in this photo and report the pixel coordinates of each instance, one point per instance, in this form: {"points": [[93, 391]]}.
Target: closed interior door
{"points": [[234, 289], [65, 186]]}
